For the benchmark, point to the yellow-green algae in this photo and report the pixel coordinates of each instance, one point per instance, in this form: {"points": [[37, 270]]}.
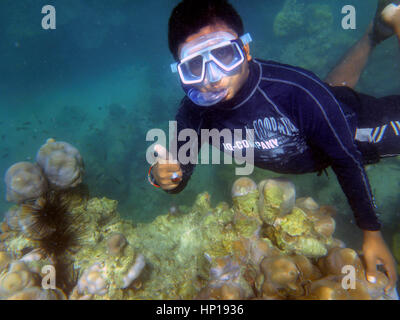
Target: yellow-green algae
{"points": [[294, 233], [247, 220], [295, 223], [270, 203], [247, 204], [245, 226], [175, 247]]}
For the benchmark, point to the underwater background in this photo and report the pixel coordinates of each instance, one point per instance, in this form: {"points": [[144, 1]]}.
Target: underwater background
{"points": [[102, 80]]}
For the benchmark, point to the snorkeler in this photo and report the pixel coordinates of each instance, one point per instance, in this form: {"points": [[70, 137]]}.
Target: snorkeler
{"points": [[314, 124]]}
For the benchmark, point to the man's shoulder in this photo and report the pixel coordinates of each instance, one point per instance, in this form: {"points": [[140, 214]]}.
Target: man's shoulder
{"points": [[284, 73], [287, 82]]}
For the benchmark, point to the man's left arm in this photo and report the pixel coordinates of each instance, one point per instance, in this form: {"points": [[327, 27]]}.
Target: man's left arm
{"points": [[325, 126]]}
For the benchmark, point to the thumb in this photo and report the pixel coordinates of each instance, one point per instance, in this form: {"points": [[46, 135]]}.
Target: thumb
{"points": [[390, 11], [162, 155], [160, 152], [370, 271]]}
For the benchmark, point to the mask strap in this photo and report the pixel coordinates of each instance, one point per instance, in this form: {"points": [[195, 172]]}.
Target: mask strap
{"points": [[246, 38]]}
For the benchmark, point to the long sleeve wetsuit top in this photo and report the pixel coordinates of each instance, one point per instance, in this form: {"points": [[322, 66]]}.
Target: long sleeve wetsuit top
{"points": [[297, 126]]}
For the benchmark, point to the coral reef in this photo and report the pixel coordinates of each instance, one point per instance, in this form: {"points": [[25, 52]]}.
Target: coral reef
{"points": [[24, 181], [134, 272], [93, 281], [247, 221], [306, 27], [277, 198], [280, 277], [61, 163], [290, 18], [20, 280], [293, 230], [59, 167], [268, 245], [16, 278], [297, 17], [116, 244], [36, 293]]}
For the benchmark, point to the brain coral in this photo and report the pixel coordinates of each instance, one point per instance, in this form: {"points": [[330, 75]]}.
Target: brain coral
{"points": [[36, 293], [17, 278], [61, 163], [116, 244], [24, 181], [93, 281]]}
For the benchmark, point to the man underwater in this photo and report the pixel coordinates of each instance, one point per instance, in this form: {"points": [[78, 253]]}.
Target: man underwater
{"points": [[321, 125]]}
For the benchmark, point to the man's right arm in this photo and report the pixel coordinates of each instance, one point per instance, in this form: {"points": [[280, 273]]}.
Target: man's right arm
{"points": [[187, 171], [164, 169]]}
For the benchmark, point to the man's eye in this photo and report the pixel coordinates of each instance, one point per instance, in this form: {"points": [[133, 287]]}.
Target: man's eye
{"points": [[224, 54], [196, 65]]}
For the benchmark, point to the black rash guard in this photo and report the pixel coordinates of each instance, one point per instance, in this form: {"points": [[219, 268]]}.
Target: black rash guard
{"points": [[299, 126]]}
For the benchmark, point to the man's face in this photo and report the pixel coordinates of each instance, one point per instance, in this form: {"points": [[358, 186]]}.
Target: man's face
{"points": [[232, 83]]}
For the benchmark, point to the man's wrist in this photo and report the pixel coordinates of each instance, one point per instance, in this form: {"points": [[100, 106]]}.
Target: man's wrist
{"points": [[151, 178], [372, 234]]}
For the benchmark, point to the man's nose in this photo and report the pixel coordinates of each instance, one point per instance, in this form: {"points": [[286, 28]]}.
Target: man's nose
{"points": [[207, 85], [213, 73]]}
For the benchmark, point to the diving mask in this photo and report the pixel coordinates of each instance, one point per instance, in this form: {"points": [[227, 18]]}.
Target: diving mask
{"points": [[208, 59]]}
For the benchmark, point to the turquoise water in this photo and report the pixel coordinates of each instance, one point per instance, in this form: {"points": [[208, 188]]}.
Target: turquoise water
{"points": [[101, 80]]}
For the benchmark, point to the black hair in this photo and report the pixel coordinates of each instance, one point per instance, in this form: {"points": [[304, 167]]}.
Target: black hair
{"points": [[189, 16]]}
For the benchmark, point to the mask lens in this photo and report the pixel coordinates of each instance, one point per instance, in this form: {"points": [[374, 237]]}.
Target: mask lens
{"points": [[192, 69], [195, 66], [225, 54]]}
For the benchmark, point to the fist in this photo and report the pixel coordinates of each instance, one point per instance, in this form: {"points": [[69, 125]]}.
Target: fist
{"points": [[167, 172], [391, 15]]}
